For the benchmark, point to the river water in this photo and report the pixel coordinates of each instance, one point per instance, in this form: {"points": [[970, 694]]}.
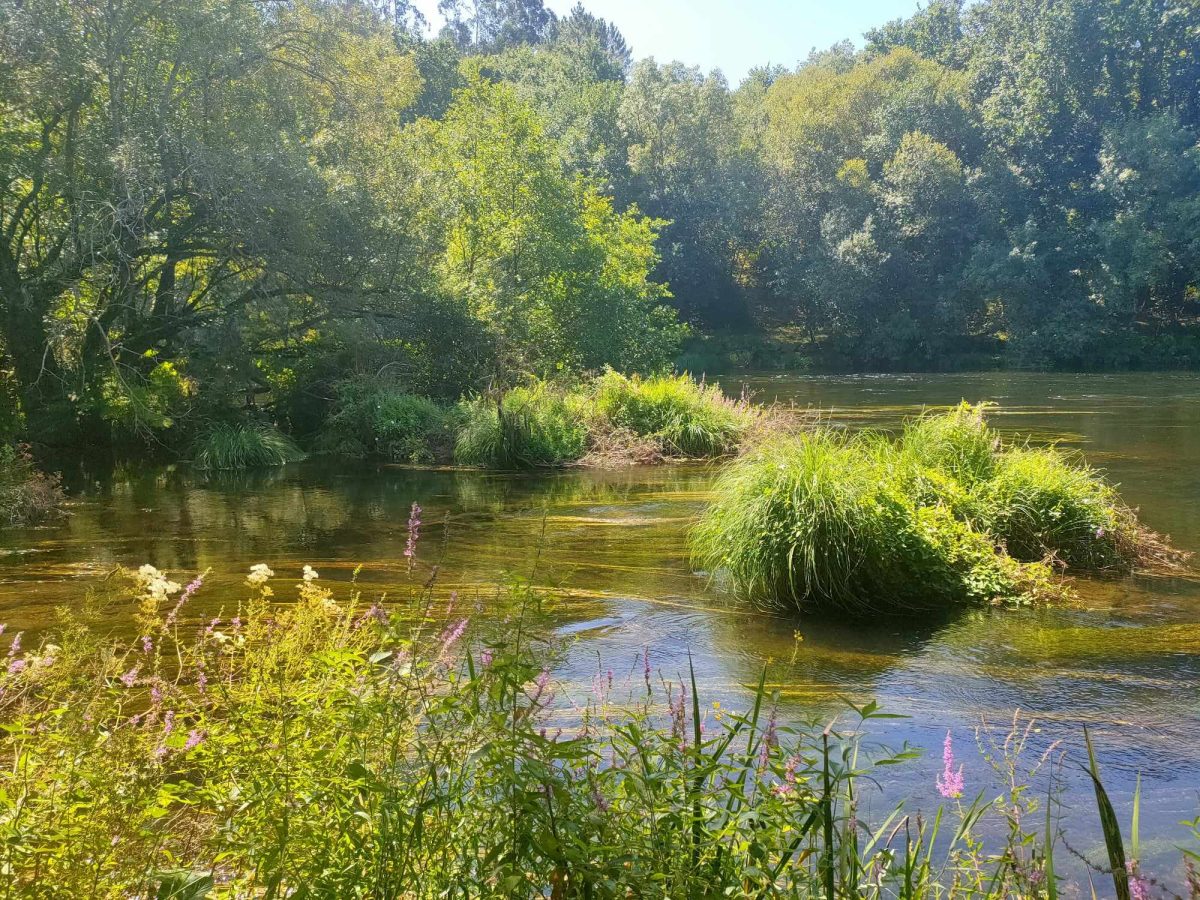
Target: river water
{"points": [[1124, 660]]}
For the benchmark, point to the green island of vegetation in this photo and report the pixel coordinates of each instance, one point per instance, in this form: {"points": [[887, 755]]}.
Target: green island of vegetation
{"points": [[944, 514]]}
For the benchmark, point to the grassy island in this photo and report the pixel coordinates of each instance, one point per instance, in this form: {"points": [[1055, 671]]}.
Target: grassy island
{"points": [[943, 514]]}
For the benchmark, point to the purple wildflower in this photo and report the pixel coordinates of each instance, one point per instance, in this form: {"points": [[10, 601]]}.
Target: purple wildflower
{"points": [[540, 683], [156, 694], [168, 726], [414, 533], [211, 625], [451, 635], [129, 679], [770, 740], [1139, 887], [193, 586], [1100, 532], [201, 678], [16, 666], [15, 647], [147, 643], [194, 739], [485, 658], [950, 782]]}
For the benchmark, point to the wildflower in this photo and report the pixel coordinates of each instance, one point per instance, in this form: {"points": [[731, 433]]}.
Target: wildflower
{"points": [[193, 586], [155, 584], [16, 667], [147, 643], [15, 647], [950, 782], [414, 532], [540, 684], [485, 658], [168, 726], [201, 678], [1139, 887], [598, 799], [211, 625], [259, 574], [3, 625], [129, 679], [646, 667], [194, 739], [156, 694], [451, 635], [770, 740], [1100, 532], [310, 574]]}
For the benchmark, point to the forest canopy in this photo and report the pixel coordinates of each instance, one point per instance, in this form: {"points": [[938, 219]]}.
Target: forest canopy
{"points": [[208, 206]]}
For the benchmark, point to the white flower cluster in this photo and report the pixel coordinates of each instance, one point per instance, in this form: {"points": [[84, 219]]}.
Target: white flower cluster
{"points": [[156, 584], [259, 573], [310, 574]]}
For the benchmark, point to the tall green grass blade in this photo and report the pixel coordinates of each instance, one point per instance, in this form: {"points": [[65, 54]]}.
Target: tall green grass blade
{"points": [[1108, 824]]}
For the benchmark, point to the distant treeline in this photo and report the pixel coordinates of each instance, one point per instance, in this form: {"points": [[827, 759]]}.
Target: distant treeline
{"points": [[214, 205]]}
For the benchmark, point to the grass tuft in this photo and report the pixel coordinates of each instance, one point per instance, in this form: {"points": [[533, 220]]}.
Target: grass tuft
{"points": [[381, 421], [687, 418], [244, 447], [524, 428]]}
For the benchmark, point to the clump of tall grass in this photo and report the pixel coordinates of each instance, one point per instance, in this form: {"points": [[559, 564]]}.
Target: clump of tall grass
{"points": [[687, 418], [382, 421], [27, 495], [522, 428], [242, 446], [944, 514], [823, 521], [326, 747]]}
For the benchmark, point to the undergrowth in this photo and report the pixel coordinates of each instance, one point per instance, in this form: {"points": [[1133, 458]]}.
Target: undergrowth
{"points": [[27, 495], [242, 446], [327, 747]]}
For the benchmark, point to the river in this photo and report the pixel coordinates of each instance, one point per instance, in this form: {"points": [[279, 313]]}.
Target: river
{"points": [[1124, 660]]}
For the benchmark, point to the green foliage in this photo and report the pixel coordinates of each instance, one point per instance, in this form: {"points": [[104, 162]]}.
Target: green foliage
{"points": [[688, 418], [326, 747], [522, 428], [1044, 502], [821, 521], [944, 515], [379, 420], [27, 495], [241, 446]]}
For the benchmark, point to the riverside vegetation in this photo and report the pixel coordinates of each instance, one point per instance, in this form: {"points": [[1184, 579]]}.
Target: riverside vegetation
{"points": [[305, 745], [946, 513]]}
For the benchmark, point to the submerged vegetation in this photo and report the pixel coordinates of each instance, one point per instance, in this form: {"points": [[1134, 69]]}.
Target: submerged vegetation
{"points": [[331, 747], [944, 514]]}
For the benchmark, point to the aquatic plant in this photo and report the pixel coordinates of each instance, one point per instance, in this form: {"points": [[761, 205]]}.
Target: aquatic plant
{"points": [[687, 418], [241, 446], [525, 427], [379, 420], [945, 514], [328, 748], [818, 521], [27, 495]]}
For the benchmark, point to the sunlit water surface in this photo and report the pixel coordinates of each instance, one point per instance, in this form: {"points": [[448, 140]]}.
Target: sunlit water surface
{"points": [[1125, 660]]}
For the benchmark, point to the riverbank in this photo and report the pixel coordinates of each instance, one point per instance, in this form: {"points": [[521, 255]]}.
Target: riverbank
{"points": [[333, 743]]}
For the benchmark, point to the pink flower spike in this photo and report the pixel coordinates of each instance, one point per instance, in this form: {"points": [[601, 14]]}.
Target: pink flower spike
{"points": [[950, 782]]}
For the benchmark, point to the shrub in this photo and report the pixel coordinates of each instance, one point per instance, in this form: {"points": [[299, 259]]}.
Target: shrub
{"points": [[821, 521], [27, 496], [225, 446], [373, 420], [526, 427], [687, 418]]}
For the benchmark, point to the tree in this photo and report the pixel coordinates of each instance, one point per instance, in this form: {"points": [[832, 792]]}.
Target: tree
{"points": [[494, 25]]}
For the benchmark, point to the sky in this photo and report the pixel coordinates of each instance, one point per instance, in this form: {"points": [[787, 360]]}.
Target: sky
{"points": [[732, 35]]}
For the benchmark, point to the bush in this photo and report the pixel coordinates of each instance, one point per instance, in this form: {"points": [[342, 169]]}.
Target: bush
{"points": [[525, 428], [27, 496], [227, 446], [821, 521], [687, 418], [373, 420], [958, 443]]}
